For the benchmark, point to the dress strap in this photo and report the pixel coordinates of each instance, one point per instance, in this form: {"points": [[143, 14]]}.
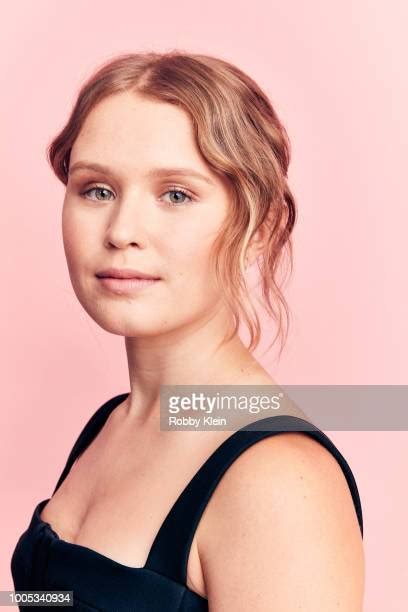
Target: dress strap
{"points": [[89, 432], [170, 550]]}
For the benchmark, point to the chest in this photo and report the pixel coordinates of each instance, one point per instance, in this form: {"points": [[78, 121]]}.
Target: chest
{"points": [[118, 493]]}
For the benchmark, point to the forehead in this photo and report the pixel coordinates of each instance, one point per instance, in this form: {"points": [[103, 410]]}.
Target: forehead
{"points": [[131, 131]]}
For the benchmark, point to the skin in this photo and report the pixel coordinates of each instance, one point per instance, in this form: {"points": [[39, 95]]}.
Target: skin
{"points": [[284, 537], [172, 333]]}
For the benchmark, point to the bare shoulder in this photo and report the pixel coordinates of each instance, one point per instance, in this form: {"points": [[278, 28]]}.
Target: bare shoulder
{"points": [[281, 532]]}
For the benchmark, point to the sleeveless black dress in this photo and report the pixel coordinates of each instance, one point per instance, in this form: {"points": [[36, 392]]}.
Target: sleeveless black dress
{"points": [[43, 561]]}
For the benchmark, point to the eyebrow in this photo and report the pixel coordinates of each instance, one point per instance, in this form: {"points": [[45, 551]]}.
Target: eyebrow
{"points": [[152, 173]]}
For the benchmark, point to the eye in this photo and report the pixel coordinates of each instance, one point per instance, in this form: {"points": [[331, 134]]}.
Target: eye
{"points": [[98, 188], [104, 191], [179, 191]]}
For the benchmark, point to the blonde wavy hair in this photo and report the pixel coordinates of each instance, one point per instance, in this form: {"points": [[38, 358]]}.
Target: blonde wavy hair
{"points": [[241, 137]]}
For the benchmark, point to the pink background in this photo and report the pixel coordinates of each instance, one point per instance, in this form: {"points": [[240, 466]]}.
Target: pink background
{"points": [[336, 73]]}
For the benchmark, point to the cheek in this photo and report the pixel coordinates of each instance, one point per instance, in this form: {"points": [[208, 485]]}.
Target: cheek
{"points": [[190, 261], [75, 237], [68, 234], [189, 248], [192, 276]]}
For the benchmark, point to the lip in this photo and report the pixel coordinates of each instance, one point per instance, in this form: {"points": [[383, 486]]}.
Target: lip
{"points": [[125, 273], [126, 286]]}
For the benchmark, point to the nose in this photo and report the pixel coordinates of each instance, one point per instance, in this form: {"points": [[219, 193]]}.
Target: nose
{"points": [[130, 221]]}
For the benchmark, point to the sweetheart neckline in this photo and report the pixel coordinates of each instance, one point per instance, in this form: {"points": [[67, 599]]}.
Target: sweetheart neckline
{"points": [[56, 538]]}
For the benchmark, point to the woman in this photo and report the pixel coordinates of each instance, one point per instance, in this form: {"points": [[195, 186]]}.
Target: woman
{"points": [[175, 167]]}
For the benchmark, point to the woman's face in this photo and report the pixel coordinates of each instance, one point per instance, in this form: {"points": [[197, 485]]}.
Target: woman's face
{"points": [[132, 213]]}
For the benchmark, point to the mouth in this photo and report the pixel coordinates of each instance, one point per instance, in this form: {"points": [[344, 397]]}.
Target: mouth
{"points": [[124, 286], [125, 273]]}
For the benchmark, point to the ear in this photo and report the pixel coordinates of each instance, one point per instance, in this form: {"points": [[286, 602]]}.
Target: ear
{"points": [[256, 245]]}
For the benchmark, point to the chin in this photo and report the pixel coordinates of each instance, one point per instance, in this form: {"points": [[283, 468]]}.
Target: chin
{"points": [[121, 322]]}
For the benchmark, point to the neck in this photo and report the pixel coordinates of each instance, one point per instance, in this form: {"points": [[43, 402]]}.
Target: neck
{"points": [[193, 356]]}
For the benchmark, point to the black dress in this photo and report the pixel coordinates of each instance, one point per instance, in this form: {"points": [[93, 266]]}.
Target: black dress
{"points": [[43, 561]]}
